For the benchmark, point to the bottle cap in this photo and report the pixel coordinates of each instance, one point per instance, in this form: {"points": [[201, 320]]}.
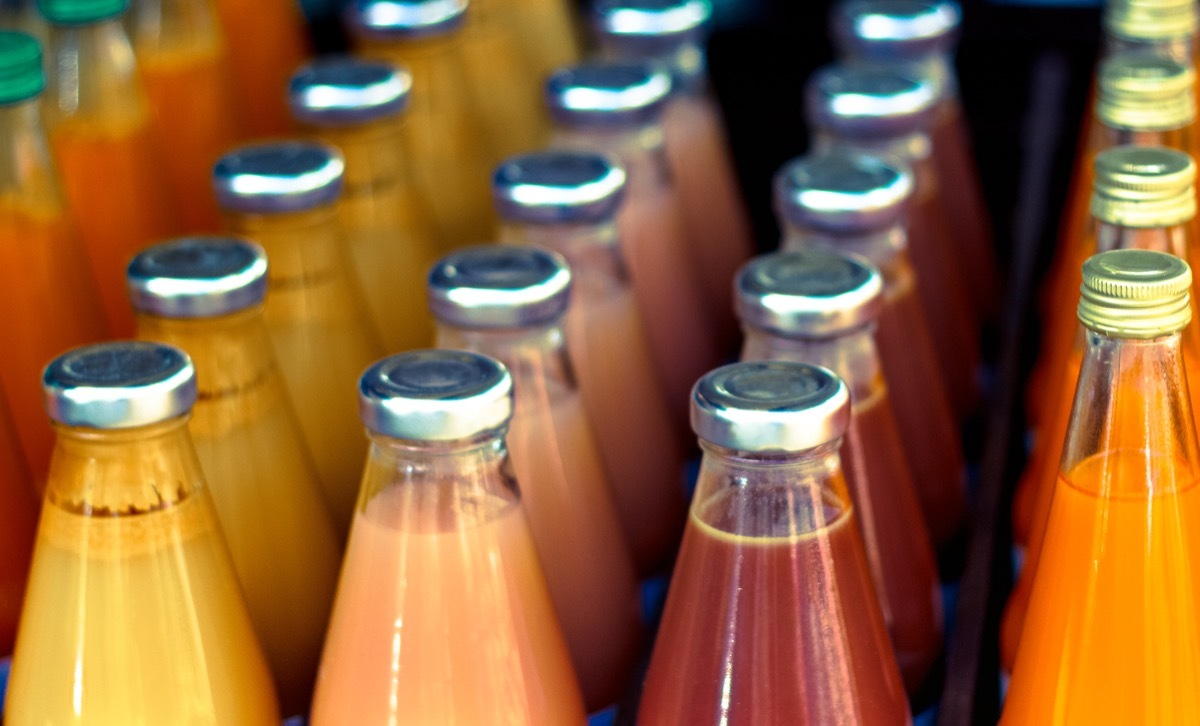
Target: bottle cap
{"points": [[895, 29], [672, 20], [499, 286], [283, 176], [21, 75], [198, 277], [1145, 92], [1148, 21], [119, 385], [807, 294], [1141, 186], [1136, 294], [559, 187], [397, 19], [80, 12], [344, 91], [843, 191], [860, 102], [773, 406], [611, 95], [436, 395]]}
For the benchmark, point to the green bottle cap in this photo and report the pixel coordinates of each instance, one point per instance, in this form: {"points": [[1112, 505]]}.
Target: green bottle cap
{"points": [[78, 12], [21, 76]]}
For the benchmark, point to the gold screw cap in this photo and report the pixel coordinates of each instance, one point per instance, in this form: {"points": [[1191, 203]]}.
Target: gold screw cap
{"points": [[1148, 21], [1141, 186], [1137, 294], [1145, 92]]}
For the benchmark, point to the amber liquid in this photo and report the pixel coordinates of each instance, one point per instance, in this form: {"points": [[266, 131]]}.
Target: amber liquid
{"points": [[18, 521], [547, 33], [267, 43]]}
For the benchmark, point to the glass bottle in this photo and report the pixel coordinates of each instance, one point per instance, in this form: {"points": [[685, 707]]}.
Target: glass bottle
{"points": [[886, 112], [359, 106], [547, 33], [205, 296], [45, 285], [18, 520], [771, 617], [133, 612], [567, 201], [21, 15], [186, 69], [442, 614], [852, 202], [268, 41], [508, 303], [284, 196], [1111, 635], [616, 108], [820, 307], [106, 145], [444, 136]]}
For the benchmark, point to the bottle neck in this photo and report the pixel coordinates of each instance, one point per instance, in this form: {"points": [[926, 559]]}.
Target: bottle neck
{"points": [[592, 250], [1107, 137], [886, 248], [92, 74], [26, 168], [1179, 49], [686, 60], [911, 148], [936, 67], [232, 353], [174, 27], [641, 150], [374, 153], [1174, 239], [851, 354], [305, 248], [536, 357]]}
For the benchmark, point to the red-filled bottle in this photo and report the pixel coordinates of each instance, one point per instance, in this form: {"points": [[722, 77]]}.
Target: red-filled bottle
{"points": [[18, 522]]}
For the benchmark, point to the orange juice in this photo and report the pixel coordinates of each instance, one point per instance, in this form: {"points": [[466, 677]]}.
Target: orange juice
{"points": [[547, 33], [267, 42]]}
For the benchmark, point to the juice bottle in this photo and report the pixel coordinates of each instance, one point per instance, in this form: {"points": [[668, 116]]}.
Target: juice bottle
{"points": [[771, 618], [853, 202], [205, 296], [616, 108], [820, 307], [917, 37], [508, 303], [1110, 636], [186, 68], [359, 106], [887, 112], [106, 145], [442, 613], [44, 282], [567, 201], [18, 520], [21, 15], [133, 613], [672, 32], [267, 42], [444, 136], [547, 33], [284, 196]]}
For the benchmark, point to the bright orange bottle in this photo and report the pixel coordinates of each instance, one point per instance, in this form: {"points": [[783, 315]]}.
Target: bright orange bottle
{"points": [[18, 521], [547, 31]]}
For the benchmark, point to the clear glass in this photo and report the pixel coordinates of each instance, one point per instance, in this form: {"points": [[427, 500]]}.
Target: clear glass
{"points": [[109, 153], [267, 42], [442, 613], [18, 521], [45, 283], [547, 33], [323, 340], [771, 618], [133, 612], [265, 487]]}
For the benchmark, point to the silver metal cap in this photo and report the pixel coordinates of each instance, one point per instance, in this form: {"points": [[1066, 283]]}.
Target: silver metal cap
{"points": [[658, 20], [499, 286], [559, 187], [618, 94], [436, 395], [198, 277], [119, 385], [895, 29], [810, 293], [343, 91], [843, 191], [385, 19], [773, 406], [279, 177], [859, 102]]}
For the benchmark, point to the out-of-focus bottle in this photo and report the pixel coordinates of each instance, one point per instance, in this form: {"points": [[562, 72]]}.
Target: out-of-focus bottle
{"points": [[617, 108], [1165, 27], [284, 196], [205, 296], [672, 32], [567, 201], [18, 520], [887, 112], [45, 284], [442, 613], [106, 144], [771, 617], [547, 32], [1111, 635], [359, 107], [508, 303], [21, 15], [185, 66], [133, 612], [820, 307], [854, 202], [444, 136], [268, 40]]}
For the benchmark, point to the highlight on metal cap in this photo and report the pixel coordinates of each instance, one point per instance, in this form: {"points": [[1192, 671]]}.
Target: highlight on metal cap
{"points": [[895, 29], [198, 277], [21, 75], [436, 395], [499, 286], [616, 94], [843, 191], [385, 19], [811, 293], [559, 187], [770, 407], [641, 20], [1143, 186], [1144, 91], [344, 90], [81, 12], [855, 101], [1138, 294], [279, 176], [119, 385], [1149, 21]]}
